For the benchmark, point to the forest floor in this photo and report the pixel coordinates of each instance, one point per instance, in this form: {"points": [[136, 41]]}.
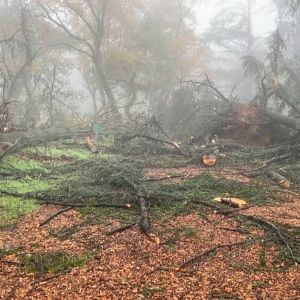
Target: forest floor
{"points": [[77, 256]]}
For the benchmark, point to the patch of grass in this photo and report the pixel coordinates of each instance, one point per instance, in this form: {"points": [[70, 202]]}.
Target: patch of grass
{"points": [[35, 245], [169, 208], [42, 263], [11, 209], [26, 185], [24, 165], [262, 261], [258, 284], [149, 291], [60, 151], [82, 154]]}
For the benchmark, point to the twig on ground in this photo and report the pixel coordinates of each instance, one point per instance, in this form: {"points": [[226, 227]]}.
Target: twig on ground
{"points": [[164, 178], [9, 262], [239, 230], [54, 216], [45, 201], [79, 205], [120, 229]]}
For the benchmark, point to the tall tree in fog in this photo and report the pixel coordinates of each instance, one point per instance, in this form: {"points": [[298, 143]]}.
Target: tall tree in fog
{"points": [[231, 37], [84, 24], [288, 23], [168, 48], [18, 55], [27, 67]]}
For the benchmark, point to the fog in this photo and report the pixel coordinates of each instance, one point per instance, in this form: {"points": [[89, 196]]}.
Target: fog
{"points": [[62, 63], [264, 19]]}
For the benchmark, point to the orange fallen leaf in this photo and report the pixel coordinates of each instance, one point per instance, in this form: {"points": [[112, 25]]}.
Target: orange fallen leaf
{"points": [[154, 238]]}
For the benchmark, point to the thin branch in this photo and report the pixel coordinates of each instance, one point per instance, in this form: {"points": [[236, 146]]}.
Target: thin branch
{"points": [[197, 258], [55, 215], [84, 20], [92, 9], [120, 229], [12, 36], [61, 25], [11, 148]]}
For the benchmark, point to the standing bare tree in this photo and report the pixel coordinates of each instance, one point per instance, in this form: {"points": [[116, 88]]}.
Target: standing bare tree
{"points": [[84, 25]]}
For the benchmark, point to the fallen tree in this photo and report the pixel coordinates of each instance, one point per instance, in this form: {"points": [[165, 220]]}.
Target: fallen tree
{"points": [[45, 135]]}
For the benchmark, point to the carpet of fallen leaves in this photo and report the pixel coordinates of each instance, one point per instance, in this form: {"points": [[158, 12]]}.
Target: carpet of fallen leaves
{"points": [[128, 265]]}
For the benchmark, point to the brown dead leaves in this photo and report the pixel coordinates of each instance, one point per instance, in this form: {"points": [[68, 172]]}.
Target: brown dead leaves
{"points": [[127, 265]]}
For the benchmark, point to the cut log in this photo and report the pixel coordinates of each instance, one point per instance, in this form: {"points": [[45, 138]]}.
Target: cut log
{"points": [[281, 180], [234, 202]]}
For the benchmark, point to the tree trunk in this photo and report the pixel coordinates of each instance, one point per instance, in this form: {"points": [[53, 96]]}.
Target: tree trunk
{"points": [[284, 120], [103, 83]]}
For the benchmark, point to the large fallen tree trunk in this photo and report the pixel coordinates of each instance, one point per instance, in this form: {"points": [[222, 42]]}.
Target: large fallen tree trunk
{"points": [[47, 134], [23, 139]]}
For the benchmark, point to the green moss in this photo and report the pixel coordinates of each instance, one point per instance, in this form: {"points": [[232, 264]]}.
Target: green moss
{"points": [[11, 209], [42, 263]]}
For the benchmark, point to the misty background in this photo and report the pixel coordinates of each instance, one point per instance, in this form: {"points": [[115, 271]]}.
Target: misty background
{"points": [[72, 61]]}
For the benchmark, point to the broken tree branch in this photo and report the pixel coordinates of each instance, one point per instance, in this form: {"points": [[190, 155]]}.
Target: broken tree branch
{"points": [[45, 200], [275, 229], [150, 138], [54, 216]]}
